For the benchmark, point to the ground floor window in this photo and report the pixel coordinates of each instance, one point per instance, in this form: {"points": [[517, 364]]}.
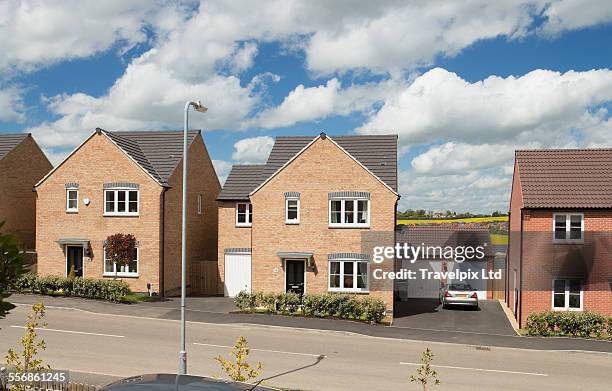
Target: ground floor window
{"points": [[129, 270], [567, 294], [348, 276]]}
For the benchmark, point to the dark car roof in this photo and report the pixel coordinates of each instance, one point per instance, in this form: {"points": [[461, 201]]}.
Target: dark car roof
{"points": [[167, 382]]}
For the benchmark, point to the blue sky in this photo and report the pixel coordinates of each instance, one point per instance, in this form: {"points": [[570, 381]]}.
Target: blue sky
{"points": [[463, 85]]}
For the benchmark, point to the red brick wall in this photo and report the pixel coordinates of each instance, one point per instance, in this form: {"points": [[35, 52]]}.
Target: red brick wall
{"points": [[97, 161], [20, 170], [201, 229], [321, 169]]}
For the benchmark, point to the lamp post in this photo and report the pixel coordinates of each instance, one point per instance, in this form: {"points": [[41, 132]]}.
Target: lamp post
{"points": [[183, 353]]}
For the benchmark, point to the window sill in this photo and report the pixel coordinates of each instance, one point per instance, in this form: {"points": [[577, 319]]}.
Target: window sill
{"points": [[568, 241], [72, 211], [339, 290], [366, 226], [244, 225], [292, 222], [121, 214], [122, 275], [558, 309]]}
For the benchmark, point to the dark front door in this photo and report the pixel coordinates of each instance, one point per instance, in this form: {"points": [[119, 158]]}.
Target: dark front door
{"points": [[295, 276], [74, 256]]}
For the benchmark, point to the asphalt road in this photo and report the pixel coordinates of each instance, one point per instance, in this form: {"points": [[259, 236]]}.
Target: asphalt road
{"points": [[119, 345]]}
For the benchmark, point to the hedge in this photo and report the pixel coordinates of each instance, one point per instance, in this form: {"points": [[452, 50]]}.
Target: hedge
{"points": [[337, 305], [574, 324], [109, 290]]}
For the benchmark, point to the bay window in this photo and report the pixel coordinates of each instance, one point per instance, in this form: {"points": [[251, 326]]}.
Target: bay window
{"points": [[348, 276]]}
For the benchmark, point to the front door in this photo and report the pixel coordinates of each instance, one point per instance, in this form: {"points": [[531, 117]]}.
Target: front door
{"points": [[74, 256], [294, 276]]}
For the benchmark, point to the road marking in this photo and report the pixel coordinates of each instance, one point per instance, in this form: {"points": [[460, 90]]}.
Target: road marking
{"points": [[262, 350], [74, 332], [478, 369]]}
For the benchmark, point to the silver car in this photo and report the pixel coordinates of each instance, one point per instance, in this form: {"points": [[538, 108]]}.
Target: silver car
{"points": [[457, 293]]}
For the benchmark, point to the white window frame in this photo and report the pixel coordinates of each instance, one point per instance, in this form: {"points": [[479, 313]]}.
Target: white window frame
{"points": [[68, 208], [116, 190], [343, 224], [249, 212], [567, 294], [568, 219], [292, 221], [119, 273], [199, 204], [355, 274]]}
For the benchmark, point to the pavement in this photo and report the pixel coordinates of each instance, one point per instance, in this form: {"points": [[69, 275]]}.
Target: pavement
{"points": [[115, 345], [215, 310]]}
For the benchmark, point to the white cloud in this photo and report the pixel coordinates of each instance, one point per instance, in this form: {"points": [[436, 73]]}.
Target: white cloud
{"points": [[253, 150], [38, 33], [539, 106], [222, 168], [575, 14], [11, 105]]}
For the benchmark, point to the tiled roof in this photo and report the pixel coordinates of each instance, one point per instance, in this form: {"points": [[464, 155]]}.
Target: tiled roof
{"points": [[158, 152], [566, 178], [440, 235], [8, 141], [377, 153], [241, 180]]}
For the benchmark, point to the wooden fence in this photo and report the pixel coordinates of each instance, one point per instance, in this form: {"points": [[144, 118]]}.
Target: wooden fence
{"points": [[204, 278]]}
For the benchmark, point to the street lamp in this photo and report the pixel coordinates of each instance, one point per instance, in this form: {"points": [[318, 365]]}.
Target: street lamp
{"points": [[183, 353]]}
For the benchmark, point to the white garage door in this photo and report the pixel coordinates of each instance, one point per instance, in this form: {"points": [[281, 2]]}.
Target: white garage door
{"points": [[237, 273], [419, 287]]}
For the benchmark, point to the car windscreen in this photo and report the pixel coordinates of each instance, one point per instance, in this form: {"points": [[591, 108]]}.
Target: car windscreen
{"points": [[460, 287]]}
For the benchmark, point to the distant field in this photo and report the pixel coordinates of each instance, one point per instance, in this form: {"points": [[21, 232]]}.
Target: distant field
{"points": [[446, 221]]}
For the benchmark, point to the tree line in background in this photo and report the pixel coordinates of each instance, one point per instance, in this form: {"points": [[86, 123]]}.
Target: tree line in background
{"points": [[449, 214]]}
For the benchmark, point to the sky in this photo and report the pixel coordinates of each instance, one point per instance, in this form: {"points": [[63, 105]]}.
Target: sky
{"points": [[462, 83]]}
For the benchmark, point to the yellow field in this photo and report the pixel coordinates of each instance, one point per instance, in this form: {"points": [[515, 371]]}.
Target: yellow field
{"points": [[499, 239], [446, 221]]}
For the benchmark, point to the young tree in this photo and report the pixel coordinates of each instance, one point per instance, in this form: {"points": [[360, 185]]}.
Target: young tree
{"points": [[27, 360], [120, 249], [425, 374], [11, 267], [239, 369]]}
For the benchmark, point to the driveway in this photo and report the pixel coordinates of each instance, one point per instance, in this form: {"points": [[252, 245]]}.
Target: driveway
{"points": [[427, 314]]}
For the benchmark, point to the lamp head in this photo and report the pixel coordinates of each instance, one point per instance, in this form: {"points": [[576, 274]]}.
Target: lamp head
{"points": [[198, 106]]}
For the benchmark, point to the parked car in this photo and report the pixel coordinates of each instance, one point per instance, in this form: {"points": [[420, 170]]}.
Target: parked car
{"points": [[457, 293], [167, 382]]}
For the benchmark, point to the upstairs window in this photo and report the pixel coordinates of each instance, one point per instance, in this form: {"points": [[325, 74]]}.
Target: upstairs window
{"points": [[568, 227], [72, 200], [349, 212], [292, 211], [244, 214], [121, 202]]}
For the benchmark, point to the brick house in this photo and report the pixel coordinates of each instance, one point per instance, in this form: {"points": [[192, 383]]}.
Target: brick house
{"points": [[22, 164], [128, 182], [306, 220], [560, 244]]}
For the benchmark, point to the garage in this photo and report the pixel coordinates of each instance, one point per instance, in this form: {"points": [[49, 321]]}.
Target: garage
{"points": [[237, 273], [480, 285], [421, 288]]}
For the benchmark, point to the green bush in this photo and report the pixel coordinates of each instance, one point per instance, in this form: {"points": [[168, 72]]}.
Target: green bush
{"points": [[290, 302], [110, 290], [245, 301], [609, 328], [315, 305], [374, 310], [574, 324]]}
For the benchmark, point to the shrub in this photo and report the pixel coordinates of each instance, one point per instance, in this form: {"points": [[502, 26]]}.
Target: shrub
{"points": [[290, 302], [374, 309], [609, 328], [315, 305], [350, 307], [245, 301], [575, 324], [110, 290], [268, 301]]}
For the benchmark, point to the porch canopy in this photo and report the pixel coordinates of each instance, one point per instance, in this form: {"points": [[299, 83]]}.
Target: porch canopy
{"points": [[73, 242], [297, 255]]}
